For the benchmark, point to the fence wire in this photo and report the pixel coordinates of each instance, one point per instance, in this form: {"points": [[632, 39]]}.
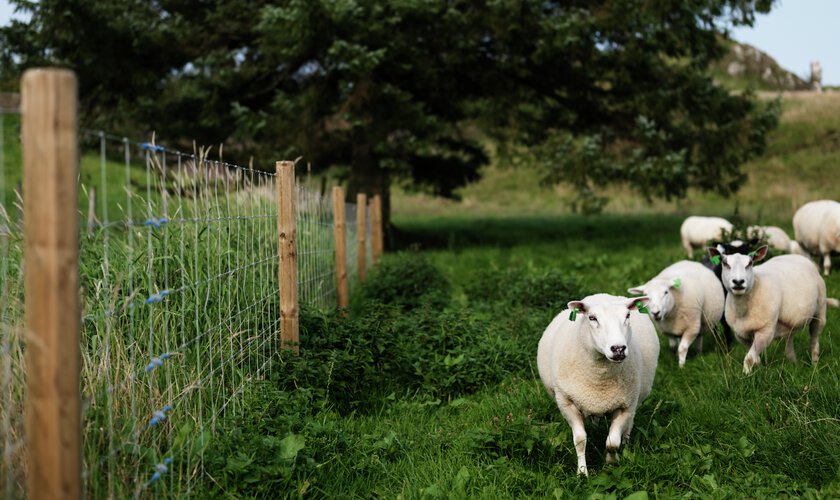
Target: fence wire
{"points": [[180, 305], [12, 395]]}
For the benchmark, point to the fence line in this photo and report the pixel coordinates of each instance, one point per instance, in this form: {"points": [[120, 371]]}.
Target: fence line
{"points": [[180, 304]]}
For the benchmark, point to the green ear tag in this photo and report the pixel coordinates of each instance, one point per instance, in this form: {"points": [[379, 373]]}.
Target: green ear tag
{"points": [[716, 260], [752, 254], [677, 282], [641, 307], [573, 314]]}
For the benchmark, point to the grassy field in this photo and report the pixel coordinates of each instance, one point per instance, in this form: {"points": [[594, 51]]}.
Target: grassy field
{"points": [[392, 410], [440, 398], [800, 165], [429, 388]]}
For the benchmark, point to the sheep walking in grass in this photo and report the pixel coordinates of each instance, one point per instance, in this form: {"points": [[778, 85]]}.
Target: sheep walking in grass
{"points": [[686, 300], [735, 246], [772, 300], [598, 357], [695, 231], [816, 226], [776, 237]]}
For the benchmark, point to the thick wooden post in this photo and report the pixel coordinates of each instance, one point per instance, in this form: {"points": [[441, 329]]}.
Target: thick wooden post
{"points": [[376, 228], [51, 252], [339, 230], [287, 230], [361, 232]]}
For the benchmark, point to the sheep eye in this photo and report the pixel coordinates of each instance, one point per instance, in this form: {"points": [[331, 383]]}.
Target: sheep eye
{"points": [[726, 265], [628, 316], [666, 292], [593, 318]]}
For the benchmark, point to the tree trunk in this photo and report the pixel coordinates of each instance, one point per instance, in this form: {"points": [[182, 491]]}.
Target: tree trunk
{"points": [[367, 177]]}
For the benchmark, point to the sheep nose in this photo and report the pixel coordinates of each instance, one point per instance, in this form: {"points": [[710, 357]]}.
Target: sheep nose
{"points": [[618, 350], [738, 282]]}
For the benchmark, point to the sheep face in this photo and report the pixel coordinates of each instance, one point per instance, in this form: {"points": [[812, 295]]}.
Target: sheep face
{"points": [[738, 273], [608, 324], [661, 295]]}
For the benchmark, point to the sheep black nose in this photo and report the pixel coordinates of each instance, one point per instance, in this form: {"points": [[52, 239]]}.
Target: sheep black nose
{"points": [[618, 350], [738, 282]]}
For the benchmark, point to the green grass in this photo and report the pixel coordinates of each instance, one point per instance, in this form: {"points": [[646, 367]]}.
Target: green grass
{"points": [[444, 402], [706, 430]]}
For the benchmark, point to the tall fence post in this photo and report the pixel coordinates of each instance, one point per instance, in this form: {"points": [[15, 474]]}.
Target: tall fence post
{"points": [[51, 253], [376, 228], [361, 230], [287, 229], [339, 229]]}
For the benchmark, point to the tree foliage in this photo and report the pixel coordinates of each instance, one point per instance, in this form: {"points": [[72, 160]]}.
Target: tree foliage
{"points": [[409, 91]]}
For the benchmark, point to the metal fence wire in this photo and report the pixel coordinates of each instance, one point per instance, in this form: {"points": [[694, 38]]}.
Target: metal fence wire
{"points": [[180, 305]]}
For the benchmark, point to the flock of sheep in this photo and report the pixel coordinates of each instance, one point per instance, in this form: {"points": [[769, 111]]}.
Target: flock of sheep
{"points": [[599, 356]]}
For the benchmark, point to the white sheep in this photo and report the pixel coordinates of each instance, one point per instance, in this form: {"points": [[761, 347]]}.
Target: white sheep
{"points": [[599, 360], [772, 301], [686, 300], [695, 231], [816, 226], [776, 238]]}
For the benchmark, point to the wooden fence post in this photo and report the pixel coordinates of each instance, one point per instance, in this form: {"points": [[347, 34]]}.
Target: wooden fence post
{"points": [[376, 228], [339, 224], [361, 230], [287, 230], [91, 218], [51, 253]]}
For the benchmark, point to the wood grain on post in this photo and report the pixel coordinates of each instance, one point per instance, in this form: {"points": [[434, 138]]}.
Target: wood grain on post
{"points": [[51, 253], [361, 230], [376, 228], [339, 230], [287, 230]]}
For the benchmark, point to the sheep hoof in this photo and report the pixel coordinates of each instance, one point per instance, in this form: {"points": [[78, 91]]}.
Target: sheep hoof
{"points": [[612, 457]]}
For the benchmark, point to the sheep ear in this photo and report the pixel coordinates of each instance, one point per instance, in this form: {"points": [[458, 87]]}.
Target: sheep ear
{"points": [[715, 255], [576, 304], [760, 254], [639, 303], [639, 290]]}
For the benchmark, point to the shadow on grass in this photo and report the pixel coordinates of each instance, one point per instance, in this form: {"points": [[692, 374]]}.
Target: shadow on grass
{"points": [[459, 232]]}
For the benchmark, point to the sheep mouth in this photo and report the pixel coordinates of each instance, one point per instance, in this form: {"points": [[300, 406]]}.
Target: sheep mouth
{"points": [[618, 358], [737, 290]]}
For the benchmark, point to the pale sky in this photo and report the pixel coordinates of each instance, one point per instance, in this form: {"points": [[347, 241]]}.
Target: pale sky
{"points": [[798, 31], [794, 33]]}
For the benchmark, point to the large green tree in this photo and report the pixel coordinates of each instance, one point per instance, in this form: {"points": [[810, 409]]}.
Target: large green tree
{"points": [[594, 91]]}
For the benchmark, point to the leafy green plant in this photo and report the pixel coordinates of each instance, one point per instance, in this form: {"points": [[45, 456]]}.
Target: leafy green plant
{"points": [[407, 280]]}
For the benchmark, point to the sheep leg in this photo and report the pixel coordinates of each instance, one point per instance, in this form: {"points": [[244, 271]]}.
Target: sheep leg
{"points": [[575, 419], [790, 354], [699, 344], [688, 248], [826, 263], [672, 343], [761, 340], [622, 422], [816, 328], [685, 342]]}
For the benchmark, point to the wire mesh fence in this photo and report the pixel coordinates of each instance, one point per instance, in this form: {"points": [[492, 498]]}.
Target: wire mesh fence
{"points": [[180, 310]]}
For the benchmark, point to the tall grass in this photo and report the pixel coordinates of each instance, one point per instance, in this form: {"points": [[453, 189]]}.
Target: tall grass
{"points": [[180, 310]]}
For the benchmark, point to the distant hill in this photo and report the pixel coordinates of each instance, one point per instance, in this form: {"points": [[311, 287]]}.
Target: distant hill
{"points": [[746, 66]]}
